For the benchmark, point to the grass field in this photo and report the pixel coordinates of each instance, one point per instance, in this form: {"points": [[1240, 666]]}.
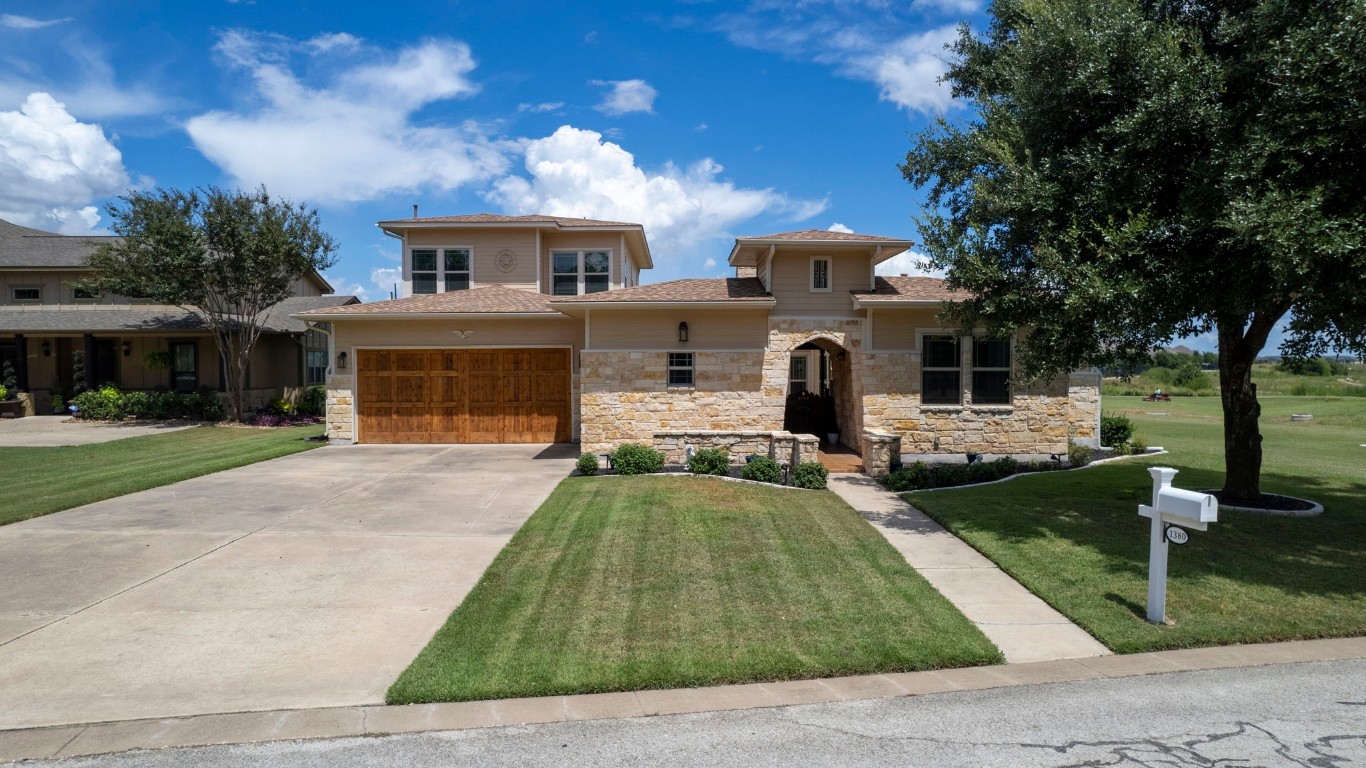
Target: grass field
{"points": [[1270, 382], [652, 582], [39, 481], [1076, 540]]}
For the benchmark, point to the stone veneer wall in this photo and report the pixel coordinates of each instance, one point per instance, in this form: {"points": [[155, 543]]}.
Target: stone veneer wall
{"points": [[341, 418], [1039, 420], [782, 447], [626, 398]]}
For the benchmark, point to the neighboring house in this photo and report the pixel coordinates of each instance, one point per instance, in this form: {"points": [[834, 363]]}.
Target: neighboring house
{"points": [[45, 319], [535, 329]]}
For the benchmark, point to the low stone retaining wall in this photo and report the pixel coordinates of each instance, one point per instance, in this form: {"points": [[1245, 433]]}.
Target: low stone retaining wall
{"points": [[782, 447]]}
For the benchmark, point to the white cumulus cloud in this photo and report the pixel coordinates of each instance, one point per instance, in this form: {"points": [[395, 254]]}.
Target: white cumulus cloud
{"points": [[908, 263], [574, 172], [907, 72], [53, 168], [838, 227], [386, 279], [351, 137], [626, 96]]}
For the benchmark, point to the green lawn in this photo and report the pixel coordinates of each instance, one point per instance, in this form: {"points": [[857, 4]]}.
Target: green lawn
{"points": [[1076, 539], [39, 481], [651, 582], [1269, 380]]}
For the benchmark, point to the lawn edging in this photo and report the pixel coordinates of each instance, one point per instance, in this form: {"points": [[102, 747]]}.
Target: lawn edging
{"points": [[1156, 450], [577, 473]]}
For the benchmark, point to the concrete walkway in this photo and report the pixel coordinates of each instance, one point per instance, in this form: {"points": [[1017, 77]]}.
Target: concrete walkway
{"points": [[306, 581], [1024, 627], [340, 722], [49, 431]]}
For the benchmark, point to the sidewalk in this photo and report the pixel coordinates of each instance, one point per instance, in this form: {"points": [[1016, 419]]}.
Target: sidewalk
{"points": [[1025, 628], [340, 722]]}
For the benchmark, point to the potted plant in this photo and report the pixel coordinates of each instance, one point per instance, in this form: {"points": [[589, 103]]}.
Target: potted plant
{"points": [[58, 404]]}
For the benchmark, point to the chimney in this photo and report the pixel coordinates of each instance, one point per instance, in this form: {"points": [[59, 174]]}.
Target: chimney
{"points": [[414, 210]]}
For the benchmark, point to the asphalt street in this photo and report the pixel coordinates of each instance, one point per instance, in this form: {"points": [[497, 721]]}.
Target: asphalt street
{"points": [[1306, 715]]}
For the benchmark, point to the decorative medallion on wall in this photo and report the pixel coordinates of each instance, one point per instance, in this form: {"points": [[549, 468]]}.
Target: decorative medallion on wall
{"points": [[506, 260]]}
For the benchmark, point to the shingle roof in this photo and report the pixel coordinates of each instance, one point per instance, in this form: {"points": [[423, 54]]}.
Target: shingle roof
{"points": [[487, 299], [98, 319], [27, 247], [905, 288], [499, 218], [737, 289], [823, 235]]}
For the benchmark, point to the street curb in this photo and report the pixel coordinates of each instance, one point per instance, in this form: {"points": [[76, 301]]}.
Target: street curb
{"points": [[378, 720]]}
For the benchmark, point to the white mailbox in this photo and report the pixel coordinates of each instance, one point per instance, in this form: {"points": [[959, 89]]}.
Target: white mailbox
{"points": [[1171, 506]]}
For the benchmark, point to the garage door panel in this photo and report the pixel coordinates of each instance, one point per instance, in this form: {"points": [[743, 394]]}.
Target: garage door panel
{"points": [[463, 395]]}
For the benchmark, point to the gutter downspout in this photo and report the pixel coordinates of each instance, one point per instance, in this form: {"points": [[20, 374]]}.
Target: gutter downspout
{"points": [[331, 357]]}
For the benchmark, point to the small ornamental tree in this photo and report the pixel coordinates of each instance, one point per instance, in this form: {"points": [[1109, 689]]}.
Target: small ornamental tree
{"points": [[227, 256], [1141, 170]]}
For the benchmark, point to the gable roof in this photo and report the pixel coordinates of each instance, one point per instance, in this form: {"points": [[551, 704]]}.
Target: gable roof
{"points": [[823, 236], [711, 290], [907, 290], [25, 247], [748, 250], [278, 319], [483, 300]]}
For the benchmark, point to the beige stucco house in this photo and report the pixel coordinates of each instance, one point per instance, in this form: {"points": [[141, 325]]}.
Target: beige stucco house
{"points": [[48, 322], [537, 329]]}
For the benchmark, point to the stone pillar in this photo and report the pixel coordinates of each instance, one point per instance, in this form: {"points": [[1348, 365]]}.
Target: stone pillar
{"points": [[880, 450], [341, 427], [805, 448]]}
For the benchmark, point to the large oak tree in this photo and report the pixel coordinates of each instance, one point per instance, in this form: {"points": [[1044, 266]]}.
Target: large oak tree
{"points": [[228, 256], [1133, 172]]}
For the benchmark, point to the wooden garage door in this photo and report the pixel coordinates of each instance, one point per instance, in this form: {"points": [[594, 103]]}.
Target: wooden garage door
{"points": [[463, 395]]}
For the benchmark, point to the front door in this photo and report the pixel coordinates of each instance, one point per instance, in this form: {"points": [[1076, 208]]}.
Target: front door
{"points": [[104, 369], [184, 367]]}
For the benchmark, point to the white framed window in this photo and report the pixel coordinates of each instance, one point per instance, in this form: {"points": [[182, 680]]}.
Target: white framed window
{"points": [[26, 294], [990, 371], [797, 375], [941, 370], [438, 270], [577, 272], [820, 274], [680, 369], [317, 366]]}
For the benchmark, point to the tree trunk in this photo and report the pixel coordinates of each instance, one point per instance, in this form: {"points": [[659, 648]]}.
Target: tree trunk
{"points": [[1242, 436]]}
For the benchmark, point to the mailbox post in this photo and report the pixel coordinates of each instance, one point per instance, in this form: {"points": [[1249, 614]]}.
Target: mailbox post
{"points": [[1171, 506]]}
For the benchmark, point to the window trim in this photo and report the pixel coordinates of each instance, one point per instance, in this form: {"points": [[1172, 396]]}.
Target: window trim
{"points": [[440, 266], [1008, 369], [579, 275], [14, 291], [924, 368], [690, 367], [829, 274]]}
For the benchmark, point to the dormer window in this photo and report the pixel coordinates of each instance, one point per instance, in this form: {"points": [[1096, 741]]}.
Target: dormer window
{"points": [[576, 272], [445, 268], [820, 274]]}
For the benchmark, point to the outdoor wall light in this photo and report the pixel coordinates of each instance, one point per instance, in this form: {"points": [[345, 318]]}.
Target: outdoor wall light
{"points": [[341, 361], [127, 349], [682, 331], [47, 349]]}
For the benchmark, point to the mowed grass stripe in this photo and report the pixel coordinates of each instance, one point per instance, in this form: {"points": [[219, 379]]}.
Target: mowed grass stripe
{"points": [[635, 583], [39, 481]]}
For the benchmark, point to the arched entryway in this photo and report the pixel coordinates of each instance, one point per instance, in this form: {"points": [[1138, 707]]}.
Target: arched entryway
{"points": [[820, 400]]}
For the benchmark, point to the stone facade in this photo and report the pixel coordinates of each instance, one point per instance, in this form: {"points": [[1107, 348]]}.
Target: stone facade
{"points": [[782, 447], [340, 411]]}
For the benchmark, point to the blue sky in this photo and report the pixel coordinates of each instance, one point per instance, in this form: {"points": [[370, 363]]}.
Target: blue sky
{"points": [[700, 120]]}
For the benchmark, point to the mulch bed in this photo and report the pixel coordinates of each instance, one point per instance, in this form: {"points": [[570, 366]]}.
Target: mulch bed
{"points": [[1268, 501]]}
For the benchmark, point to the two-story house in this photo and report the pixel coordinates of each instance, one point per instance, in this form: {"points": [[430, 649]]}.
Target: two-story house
{"points": [[47, 323], [537, 329]]}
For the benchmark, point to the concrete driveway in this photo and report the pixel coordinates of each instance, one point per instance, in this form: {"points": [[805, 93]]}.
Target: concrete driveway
{"points": [[306, 581], [48, 431]]}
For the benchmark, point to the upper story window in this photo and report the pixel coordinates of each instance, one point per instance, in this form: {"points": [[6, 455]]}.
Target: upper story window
{"points": [[820, 274], [441, 269], [990, 371], [27, 294], [576, 272], [941, 369]]}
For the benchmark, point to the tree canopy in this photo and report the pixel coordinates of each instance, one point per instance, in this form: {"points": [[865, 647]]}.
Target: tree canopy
{"points": [[226, 255], [1136, 171]]}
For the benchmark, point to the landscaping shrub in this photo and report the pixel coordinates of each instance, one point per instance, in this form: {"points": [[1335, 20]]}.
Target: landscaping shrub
{"points": [[1190, 376], [1006, 466], [810, 474], [8, 378], [1078, 455], [109, 404], [4, 393], [280, 407], [637, 459], [709, 461], [913, 477], [948, 475], [587, 464], [313, 402], [762, 469], [1040, 466], [1115, 429], [1138, 445]]}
